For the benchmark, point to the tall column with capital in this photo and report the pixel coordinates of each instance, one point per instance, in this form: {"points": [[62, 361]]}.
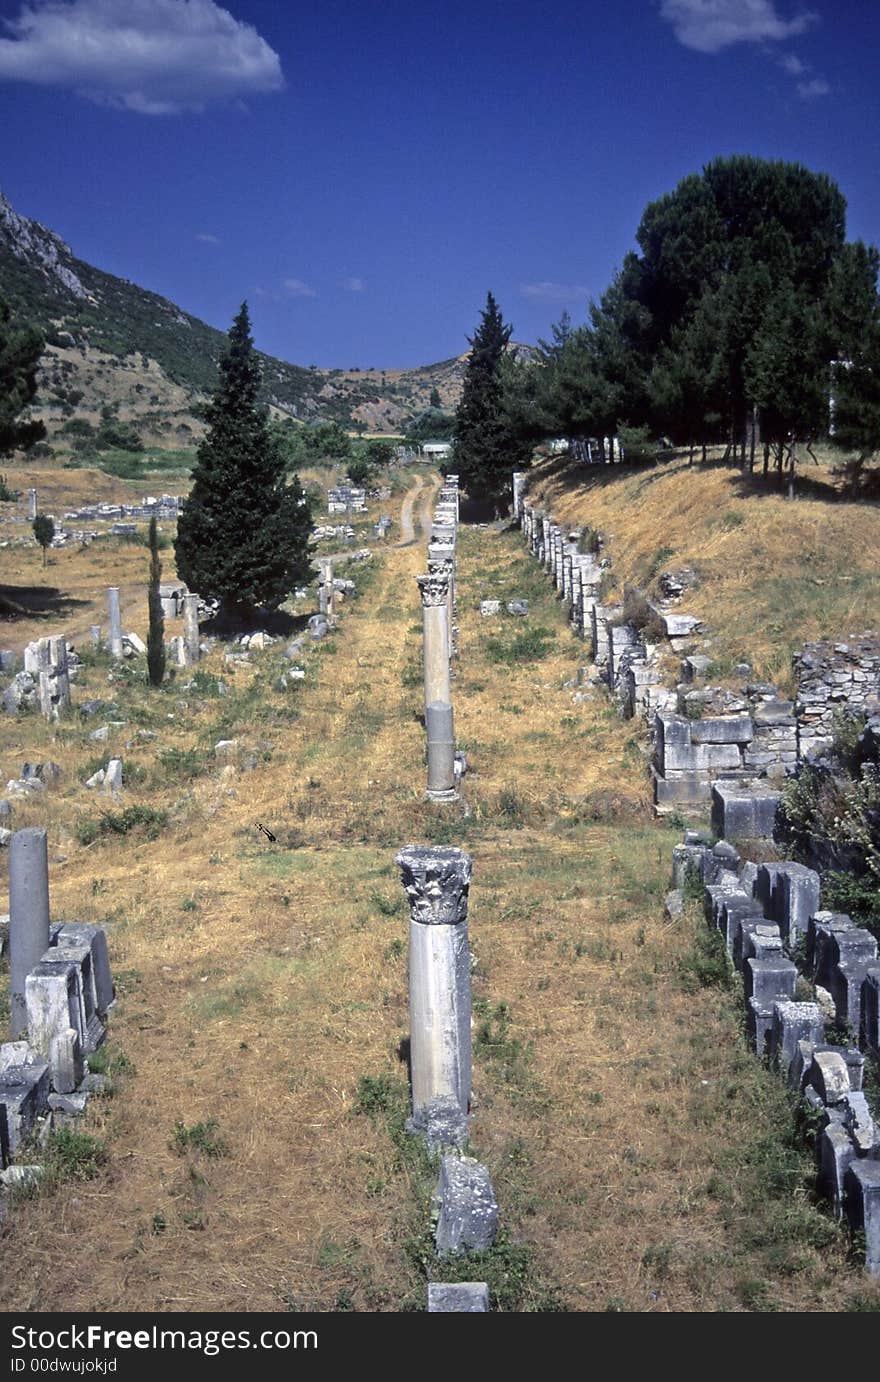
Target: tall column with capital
{"points": [[436, 881], [438, 696]]}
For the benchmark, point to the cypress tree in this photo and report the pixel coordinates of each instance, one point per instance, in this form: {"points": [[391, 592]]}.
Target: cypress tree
{"points": [[488, 446], [243, 536], [156, 635]]}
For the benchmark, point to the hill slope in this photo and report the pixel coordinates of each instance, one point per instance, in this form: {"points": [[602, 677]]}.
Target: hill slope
{"points": [[87, 313]]}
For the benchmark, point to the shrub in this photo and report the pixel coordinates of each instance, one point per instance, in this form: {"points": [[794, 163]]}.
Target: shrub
{"points": [[75, 1155], [201, 1137], [89, 829], [527, 646]]}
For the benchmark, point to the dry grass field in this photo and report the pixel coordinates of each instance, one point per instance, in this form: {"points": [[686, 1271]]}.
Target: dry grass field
{"points": [[253, 1143], [771, 572]]}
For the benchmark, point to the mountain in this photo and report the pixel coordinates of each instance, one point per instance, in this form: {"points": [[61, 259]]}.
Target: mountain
{"points": [[107, 338]]}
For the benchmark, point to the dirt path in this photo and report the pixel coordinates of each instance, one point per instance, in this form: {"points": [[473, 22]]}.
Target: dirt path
{"points": [[407, 528]]}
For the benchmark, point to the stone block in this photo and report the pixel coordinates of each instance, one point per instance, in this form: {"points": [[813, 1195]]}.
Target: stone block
{"points": [[828, 1074], [759, 1025], [65, 1061], [489, 608], [836, 1155], [793, 1023], [679, 791], [765, 886], [24, 1092], [468, 1218], [859, 1123], [735, 911], [773, 713], [871, 1009], [862, 1184], [722, 729], [847, 979], [767, 980], [743, 811], [471, 1297], [53, 993], [795, 899], [747, 926], [82, 932]]}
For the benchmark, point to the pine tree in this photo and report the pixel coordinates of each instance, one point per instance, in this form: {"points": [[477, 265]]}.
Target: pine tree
{"points": [[243, 537], [156, 634], [20, 352], [488, 446]]}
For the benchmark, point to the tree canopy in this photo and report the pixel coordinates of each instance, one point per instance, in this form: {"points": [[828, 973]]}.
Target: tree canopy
{"points": [[741, 294], [243, 536], [20, 351]]}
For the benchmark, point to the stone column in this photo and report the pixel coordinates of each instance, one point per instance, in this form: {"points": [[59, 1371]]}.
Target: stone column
{"points": [[519, 485], [95, 635], [191, 629], [115, 641], [32, 504], [438, 697], [436, 882], [28, 916]]}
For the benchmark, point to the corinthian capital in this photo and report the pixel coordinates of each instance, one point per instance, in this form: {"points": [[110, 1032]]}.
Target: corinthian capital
{"points": [[434, 589], [436, 882]]}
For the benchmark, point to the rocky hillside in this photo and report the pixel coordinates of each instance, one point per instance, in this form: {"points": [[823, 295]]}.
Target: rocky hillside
{"points": [[164, 359]]}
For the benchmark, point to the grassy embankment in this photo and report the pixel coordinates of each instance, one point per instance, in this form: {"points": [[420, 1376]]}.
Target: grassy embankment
{"points": [[771, 572]]}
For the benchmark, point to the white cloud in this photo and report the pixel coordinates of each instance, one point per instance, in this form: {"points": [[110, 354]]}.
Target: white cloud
{"points": [[207, 239], [793, 66], [710, 25], [552, 292], [296, 288], [817, 86], [156, 57], [353, 285]]}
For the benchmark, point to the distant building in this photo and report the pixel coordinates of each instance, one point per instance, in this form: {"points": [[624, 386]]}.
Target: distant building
{"points": [[436, 450]]}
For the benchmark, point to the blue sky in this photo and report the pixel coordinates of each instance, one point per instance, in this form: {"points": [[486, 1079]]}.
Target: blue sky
{"points": [[363, 174]]}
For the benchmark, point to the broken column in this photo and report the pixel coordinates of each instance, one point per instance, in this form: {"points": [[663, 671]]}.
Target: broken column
{"points": [[436, 882], [438, 697], [191, 629], [32, 504], [28, 916], [46, 658], [115, 642]]}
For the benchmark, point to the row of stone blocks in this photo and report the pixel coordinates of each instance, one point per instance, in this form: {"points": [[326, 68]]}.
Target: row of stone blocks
{"points": [[762, 911]]}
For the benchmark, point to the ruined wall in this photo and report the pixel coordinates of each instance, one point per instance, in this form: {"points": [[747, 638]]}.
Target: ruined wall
{"points": [[834, 677]]}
